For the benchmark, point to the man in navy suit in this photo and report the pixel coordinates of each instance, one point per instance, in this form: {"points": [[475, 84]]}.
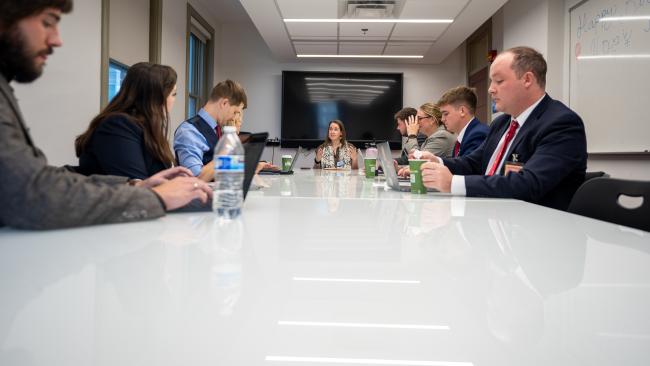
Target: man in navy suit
{"points": [[536, 151], [458, 106]]}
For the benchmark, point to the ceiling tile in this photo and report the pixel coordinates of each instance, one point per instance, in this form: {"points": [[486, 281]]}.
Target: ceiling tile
{"points": [[374, 30], [328, 48], [309, 30], [308, 8], [397, 48], [367, 39], [361, 48], [441, 9], [267, 17], [418, 31]]}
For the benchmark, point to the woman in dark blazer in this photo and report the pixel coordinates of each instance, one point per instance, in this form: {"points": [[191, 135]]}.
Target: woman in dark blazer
{"points": [[130, 136]]}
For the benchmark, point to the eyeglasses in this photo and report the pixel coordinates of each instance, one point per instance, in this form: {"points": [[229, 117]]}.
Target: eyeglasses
{"points": [[420, 118]]}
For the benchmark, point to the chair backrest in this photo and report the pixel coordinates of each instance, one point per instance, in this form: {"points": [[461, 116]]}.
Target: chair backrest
{"points": [[592, 175], [598, 198]]}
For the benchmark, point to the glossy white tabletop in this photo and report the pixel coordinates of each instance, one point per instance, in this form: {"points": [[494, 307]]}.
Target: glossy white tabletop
{"points": [[328, 268]]}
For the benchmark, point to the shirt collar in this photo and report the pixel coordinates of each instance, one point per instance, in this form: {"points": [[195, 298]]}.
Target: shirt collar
{"points": [[462, 132], [208, 118], [526, 113]]}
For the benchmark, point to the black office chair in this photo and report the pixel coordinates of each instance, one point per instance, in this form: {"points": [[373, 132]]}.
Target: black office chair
{"points": [[598, 198], [592, 175]]}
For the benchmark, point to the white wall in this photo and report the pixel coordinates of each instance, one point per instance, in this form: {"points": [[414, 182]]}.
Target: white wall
{"points": [[58, 106], [246, 58], [541, 24], [129, 31], [174, 43], [538, 24]]}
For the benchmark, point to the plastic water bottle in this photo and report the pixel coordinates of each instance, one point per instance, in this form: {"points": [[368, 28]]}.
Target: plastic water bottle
{"points": [[228, 193]]}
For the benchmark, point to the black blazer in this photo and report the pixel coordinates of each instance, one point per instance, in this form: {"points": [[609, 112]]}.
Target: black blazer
{"points": [[475, 134], [551, 145], [117, 148]]}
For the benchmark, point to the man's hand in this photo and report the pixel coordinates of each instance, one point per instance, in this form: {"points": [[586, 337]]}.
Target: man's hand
{"points": [[263, 165], [424, 155], [179, 191], [164, 176], [438, 176], [207, 172], [404, 172], [412, 126]]}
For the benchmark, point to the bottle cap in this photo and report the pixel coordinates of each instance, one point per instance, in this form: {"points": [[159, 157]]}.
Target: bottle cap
{"points": [[227, 129]]}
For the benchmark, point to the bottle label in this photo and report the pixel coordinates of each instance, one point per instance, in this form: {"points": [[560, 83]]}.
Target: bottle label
{"points": [[229, 163]]}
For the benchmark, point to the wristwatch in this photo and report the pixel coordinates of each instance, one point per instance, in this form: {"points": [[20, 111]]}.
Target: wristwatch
{"points": [[413, 136]]}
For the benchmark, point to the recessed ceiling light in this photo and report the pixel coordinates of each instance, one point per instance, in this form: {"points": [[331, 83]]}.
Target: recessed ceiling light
{"points": [[360, 280], [364, 325], [597, 57], [364, 361], [359, 56], [356, 20], [625, 18]]}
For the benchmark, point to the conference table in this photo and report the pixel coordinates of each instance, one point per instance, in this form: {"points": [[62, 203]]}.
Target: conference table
{"points": [[331, 268]]}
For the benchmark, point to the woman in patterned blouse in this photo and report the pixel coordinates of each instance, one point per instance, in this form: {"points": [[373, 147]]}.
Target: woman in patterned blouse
{"points": [[336, 152]]}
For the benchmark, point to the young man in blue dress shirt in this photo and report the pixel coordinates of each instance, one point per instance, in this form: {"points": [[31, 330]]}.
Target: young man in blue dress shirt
{"points": [[195, 138]]}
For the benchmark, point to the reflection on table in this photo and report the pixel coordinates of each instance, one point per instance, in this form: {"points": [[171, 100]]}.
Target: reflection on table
{"points": [[331, 268]]}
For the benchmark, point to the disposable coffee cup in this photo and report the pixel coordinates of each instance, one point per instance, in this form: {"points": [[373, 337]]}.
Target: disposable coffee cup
{"points": [[371, 166], [286, 162], [417, 186]]}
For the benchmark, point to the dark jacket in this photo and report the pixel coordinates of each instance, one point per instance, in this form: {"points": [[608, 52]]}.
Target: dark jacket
{"points": [[117, 147], [551, 145], [34, 195], [475, 134]]}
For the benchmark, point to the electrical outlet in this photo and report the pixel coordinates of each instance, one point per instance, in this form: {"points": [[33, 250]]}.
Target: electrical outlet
{"points": [[273, 142]]}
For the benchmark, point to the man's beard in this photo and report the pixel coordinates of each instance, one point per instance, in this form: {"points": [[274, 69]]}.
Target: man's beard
{"points": [[16, 62]]}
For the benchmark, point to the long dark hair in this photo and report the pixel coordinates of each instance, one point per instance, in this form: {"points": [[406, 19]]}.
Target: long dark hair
{"points": [[328, 141], [142, 99]]}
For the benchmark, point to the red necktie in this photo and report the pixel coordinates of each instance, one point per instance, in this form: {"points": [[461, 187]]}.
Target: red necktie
{"points": [[509, 136], [456, 148], [218, 131]]}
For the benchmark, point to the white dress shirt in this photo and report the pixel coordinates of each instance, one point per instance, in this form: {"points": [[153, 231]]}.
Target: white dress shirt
{"points": [[462, 132], [458, 181]]}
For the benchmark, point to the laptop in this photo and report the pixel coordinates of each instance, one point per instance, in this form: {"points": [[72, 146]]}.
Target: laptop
{"points": [[290, 171], [253, 149], [392, 179]]}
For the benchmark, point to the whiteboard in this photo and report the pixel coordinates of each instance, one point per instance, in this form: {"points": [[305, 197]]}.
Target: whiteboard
{"points": [[609, 72]]}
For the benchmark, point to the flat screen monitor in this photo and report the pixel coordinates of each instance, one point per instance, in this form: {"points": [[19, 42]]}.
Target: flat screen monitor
{"points": [[364, 102]]}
